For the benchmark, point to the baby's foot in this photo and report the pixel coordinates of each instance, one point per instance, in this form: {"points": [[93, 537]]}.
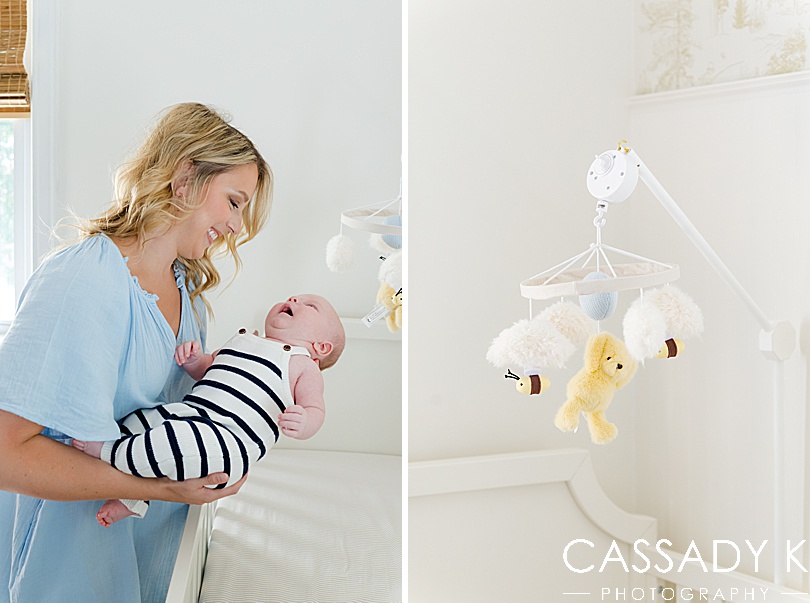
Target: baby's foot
{"points": [[111, 511], [91, 448]]}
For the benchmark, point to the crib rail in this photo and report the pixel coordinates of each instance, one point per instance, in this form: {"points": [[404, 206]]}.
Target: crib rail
{"points": [[687, 582], [570, 466], [188, 569], [489, 473]]}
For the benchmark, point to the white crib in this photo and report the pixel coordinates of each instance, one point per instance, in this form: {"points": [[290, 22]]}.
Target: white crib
{"points": [[313, 525], [307, 526], [524, 527]]}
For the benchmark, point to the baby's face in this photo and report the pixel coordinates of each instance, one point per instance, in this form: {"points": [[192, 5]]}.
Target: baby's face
{"points": [[301, 318]]}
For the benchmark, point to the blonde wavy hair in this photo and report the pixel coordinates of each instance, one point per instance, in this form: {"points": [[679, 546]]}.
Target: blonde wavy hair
{"points": [[145, 205]]}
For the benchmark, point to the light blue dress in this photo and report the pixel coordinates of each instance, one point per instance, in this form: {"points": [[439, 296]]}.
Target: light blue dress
{"points": [[87, 347]]}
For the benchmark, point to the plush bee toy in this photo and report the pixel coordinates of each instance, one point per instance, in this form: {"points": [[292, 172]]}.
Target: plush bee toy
{"points": [[530, 384], [671, 348]]}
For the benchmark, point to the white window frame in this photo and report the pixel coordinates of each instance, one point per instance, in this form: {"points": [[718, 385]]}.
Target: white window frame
{"points": [[35, 147], [23, 215]]}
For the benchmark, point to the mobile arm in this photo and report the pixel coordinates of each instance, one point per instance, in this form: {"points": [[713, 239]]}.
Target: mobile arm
{"points": [[612, 177]]}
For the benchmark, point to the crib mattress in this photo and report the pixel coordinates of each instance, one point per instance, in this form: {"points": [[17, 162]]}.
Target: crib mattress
{"points": [[310, 526]]}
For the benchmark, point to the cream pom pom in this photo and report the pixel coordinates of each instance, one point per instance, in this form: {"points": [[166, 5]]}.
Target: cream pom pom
{"points": [[530, 344], [339, 253], [682, 315], [645, 329]]}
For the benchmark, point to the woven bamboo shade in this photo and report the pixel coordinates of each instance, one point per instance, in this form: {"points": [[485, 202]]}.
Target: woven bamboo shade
{"points": [[14, 85]]}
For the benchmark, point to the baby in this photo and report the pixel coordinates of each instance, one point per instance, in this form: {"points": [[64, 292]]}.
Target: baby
{"points": [[226, 422]]}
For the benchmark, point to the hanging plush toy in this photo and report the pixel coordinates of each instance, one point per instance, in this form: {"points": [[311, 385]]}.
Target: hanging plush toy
{"points": [[546, 341], [389, 293], [598, 306], [534, 345], [608, 367], [530, 384], [656, 324], [376, 218], [339, 253], [391, 299]]}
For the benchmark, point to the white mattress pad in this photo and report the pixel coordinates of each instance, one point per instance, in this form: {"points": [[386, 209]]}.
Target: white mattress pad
{"points": [[310, 526]]}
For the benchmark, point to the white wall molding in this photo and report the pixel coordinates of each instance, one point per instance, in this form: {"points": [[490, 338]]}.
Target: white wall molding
{"points": [[768, 85]]}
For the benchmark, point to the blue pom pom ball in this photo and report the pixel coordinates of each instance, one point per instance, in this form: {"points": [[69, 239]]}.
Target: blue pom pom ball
{"points": [[598, 306], [393, 241]]}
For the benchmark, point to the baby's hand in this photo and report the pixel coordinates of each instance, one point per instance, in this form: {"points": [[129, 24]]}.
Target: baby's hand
{"points": [[293, 421], [187, 352]]}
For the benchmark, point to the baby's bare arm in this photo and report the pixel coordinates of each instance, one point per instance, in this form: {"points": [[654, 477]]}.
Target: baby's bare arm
{"points": [[190, 356], [304, 419]]}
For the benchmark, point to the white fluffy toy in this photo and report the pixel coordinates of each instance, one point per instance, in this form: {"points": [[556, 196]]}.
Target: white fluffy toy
{"points": [[656, 323], [340, 248], [570, 320], [391, 270], [546, 341], [339, 253]]}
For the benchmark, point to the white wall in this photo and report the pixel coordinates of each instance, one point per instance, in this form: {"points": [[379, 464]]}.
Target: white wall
{"points": [[508, 103], [316, 85], [733, 157], [507, 106]]}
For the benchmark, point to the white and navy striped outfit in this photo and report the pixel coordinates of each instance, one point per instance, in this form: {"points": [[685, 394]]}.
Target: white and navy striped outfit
{"points": [[226, 423]]}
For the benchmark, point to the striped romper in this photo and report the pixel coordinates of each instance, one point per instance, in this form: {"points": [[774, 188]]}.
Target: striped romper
{"points": [[226, 423]]}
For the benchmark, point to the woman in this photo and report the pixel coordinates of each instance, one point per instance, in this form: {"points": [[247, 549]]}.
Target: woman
{"points": [[93, 340]]}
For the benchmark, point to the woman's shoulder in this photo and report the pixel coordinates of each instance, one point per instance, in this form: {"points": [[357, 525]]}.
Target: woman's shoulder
{"points": [[93, 264], [98, 248], [96, 256]]}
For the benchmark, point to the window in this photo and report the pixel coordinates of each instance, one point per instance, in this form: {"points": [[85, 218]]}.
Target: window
{"points": [[15, 222], [7, 288], [15, 255]]}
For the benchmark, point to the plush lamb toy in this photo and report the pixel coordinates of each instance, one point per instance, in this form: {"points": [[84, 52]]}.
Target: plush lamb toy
{"points": [[656, 324], [546, 341]]}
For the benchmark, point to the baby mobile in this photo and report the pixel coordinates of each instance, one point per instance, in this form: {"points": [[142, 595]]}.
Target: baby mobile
{"points": [[384, 222], [655, 325]]}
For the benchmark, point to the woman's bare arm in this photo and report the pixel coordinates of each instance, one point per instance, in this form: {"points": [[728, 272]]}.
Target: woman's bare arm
{"points": [[38, 466]]}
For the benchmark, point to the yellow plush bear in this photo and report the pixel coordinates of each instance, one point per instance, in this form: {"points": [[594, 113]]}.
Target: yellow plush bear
{"points": [[392, 300], [608, 367]]}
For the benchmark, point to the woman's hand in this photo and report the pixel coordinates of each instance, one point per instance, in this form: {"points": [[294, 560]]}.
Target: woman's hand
{"points": [[197, 491]]}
